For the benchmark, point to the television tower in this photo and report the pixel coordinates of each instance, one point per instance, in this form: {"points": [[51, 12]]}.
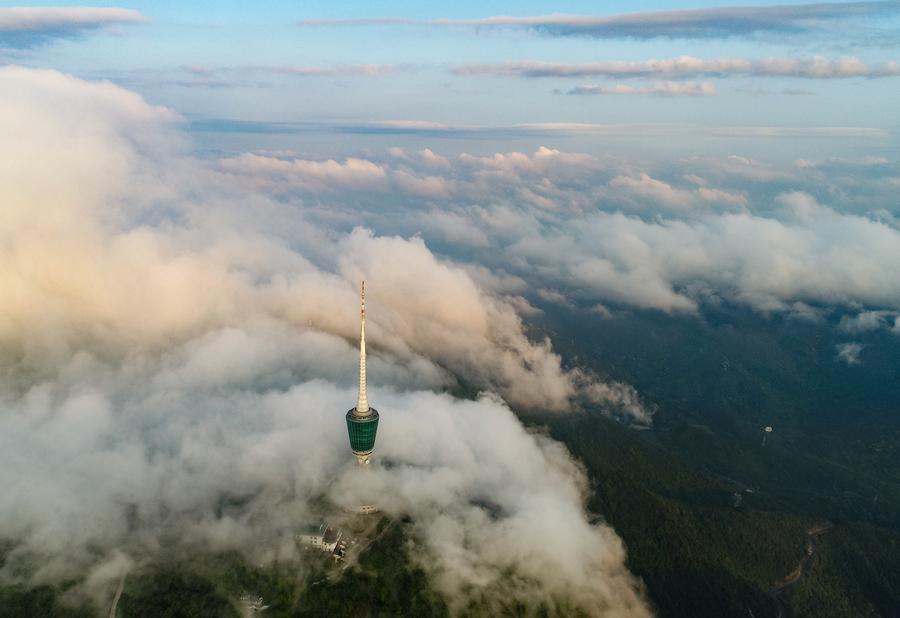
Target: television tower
{"points": [[362, 421]]}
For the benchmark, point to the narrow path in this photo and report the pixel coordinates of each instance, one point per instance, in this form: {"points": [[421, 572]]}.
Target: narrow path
{"points": [[792, 578], [797, 574], [115, 601]]}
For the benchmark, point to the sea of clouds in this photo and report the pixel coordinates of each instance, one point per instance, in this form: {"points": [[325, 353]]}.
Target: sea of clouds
{"points": [[177, 351], [177, 334]]}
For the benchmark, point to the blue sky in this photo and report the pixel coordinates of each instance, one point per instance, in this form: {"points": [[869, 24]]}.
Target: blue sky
{"points": [[236, 61]]}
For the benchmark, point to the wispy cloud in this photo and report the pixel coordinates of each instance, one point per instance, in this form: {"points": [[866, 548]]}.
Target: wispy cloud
{"points": [[866, 321], [792, 92], [338, 70], [849, 353], [865, 132], [242, 76], [660, 89], [815, 67], [23, 27], [691, 23], [438, 129]]}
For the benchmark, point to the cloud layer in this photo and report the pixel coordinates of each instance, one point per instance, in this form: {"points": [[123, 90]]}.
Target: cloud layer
{"points": [[659, 89], [598, 230], [210, 452], [548, 130], [339, 70], [175, 331], [816, 67], [691, 23], [177, 350], [29, 26], [112, 263]]}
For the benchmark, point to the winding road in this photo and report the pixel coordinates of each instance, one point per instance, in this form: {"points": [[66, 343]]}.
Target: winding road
{"points": [[791, 579]]}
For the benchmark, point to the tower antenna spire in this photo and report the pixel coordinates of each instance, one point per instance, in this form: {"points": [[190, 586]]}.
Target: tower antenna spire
{"points": [[362, 404]]}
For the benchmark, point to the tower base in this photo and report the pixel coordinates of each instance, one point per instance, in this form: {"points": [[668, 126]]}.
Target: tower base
{"points": [[363, 463]]}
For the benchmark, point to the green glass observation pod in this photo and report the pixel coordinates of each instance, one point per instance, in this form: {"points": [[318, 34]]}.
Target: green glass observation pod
{"points": [[362, 431]]}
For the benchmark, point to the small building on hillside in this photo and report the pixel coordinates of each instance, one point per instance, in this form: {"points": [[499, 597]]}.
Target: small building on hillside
{"points": [[325, 538]]}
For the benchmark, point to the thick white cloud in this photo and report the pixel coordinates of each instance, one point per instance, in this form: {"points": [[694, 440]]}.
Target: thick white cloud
{"points": [[425, 186], [315, 175], [768, 263], [601, 229], [541, 161], [153, 248], [426, 156], [130, 271], [106, 461], [172, 341], [659, 194]]}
